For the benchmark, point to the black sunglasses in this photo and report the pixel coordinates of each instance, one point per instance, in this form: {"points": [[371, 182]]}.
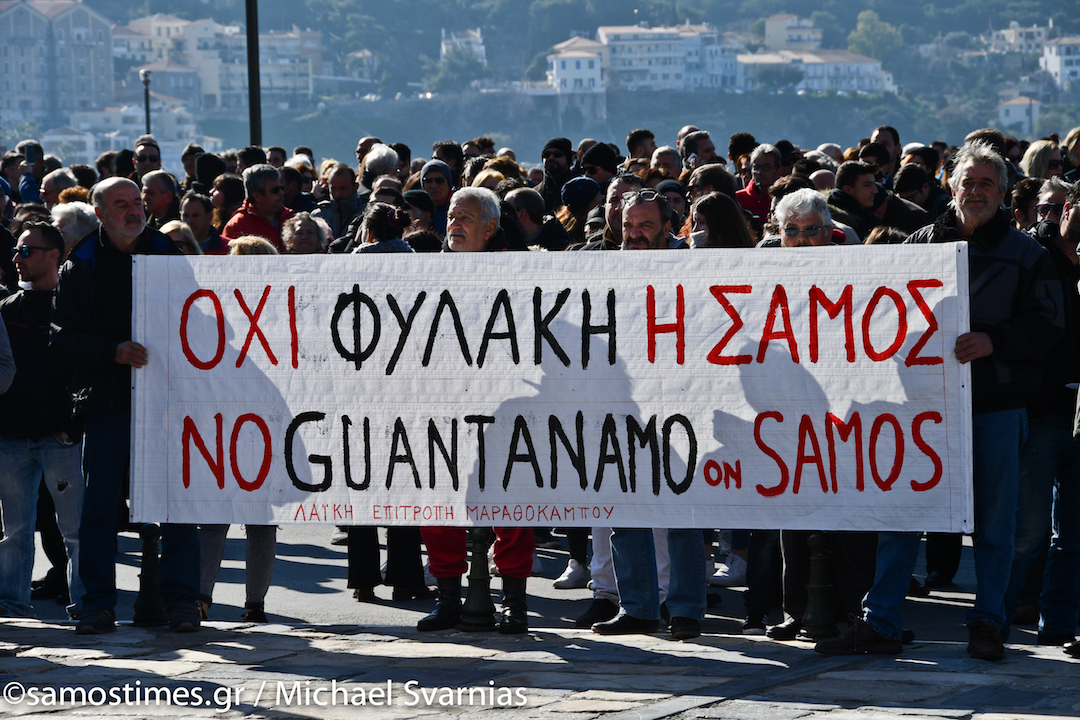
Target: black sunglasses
{"points": [[148, 158], [24, 251]]}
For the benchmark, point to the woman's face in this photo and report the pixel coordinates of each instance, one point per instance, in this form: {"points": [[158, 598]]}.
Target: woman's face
{"points": [[1054, 168], [217, 198], [698, 223], [306, 238]]}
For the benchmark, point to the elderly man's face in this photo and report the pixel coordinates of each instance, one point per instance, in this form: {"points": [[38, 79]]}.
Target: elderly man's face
{"points": [[978, 194], [271, 200], [466, 230], [764, 171], [50, 192], [804, 231], [644, 227], [121, 213], [667, 161], [1050, 206], [194, 215]]}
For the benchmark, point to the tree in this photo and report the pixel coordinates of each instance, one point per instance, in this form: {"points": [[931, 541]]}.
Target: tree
{"points": [[455, 72], [873, 37], [774, 78]]}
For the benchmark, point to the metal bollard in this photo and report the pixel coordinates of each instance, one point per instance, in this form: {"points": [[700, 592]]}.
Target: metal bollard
{"points": [[149, 607], [819, 622], [478, 612]]}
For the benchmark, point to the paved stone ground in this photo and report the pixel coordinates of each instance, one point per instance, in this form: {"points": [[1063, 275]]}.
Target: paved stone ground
{"points": [[286, 671]]}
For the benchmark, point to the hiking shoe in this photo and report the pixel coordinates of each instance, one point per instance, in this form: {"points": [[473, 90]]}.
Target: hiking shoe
{"points": [[600, 610], [754, 625], [984, 641], [731, 572], [96, 622], [860, 639], [184, 618], [574, 576]]}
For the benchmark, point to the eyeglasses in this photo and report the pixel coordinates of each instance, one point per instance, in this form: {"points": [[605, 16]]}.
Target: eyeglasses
{"points": [[589, 169], [1055, 163], [148, 158], [646, 195], [1047, 208], [552, 154], [809, 231], [759, 168], [275, 189], [24, 251], [434, 180]]}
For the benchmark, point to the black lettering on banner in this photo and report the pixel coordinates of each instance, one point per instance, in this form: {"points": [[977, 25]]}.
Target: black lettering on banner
{"points": [[541, 330], [433, 439], [406, 457], [691, 461], [588, 329], [357, 356], [290, 437], [480, 421], [636, 437], [446, 300], [608, 436], [502, 300], [521, 432], [346, 422], [404, 323], [577, 459]]}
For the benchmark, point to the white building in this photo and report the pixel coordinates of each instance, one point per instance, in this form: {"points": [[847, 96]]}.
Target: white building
{"points": [[116, 127], [1029, 40], [160, 29], [575, 78], [1019, 112], [645, 58], [470, 40], [791, 32], [130, 44], [822, 70], [1061, 60]]}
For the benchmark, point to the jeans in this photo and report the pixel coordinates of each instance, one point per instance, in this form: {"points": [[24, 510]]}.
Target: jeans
{"points": [[996, 441], [636, 576], [22, 462], [106, 448], [1049, 488]]}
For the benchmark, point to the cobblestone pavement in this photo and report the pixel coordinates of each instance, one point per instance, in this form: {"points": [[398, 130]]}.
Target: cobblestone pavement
{"points": [[232, 670]]}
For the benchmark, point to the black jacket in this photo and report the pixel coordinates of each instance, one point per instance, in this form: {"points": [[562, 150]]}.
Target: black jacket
{"points": [[96, 280], [1015, 298], [38, 404]]}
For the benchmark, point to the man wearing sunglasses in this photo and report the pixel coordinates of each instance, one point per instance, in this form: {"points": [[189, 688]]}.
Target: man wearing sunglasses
{"points": [[559, 169], [147, 156], [263, 212], [437, 180], [38, 434], [91, 332]]}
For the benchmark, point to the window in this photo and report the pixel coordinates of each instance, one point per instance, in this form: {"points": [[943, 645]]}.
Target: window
{"points": [[60, 35], [592, 64], [562, 64], [577, 64]]}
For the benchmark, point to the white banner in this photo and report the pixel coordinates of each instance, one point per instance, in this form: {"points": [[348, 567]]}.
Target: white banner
{"points": [[809, 388]]}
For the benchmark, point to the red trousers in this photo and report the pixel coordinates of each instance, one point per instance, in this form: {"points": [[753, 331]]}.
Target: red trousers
{"points": [[446, 550]]}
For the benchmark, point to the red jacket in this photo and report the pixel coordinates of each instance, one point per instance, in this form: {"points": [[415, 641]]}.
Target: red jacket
{"points": [[749, 199], [246, 221]]}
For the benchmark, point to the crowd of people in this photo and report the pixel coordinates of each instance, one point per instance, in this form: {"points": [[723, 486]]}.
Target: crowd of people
{"points": [[66, 358]]}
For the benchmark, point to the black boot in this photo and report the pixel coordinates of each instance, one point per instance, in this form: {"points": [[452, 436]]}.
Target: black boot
{"points": [[447, 611], [515, 610]]}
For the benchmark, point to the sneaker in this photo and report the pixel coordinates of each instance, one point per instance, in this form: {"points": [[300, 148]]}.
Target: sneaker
{"points": [[599, 611], [96, 622], [340, 536], [984, 641], [574, 576], [754, 625], [860, 639], [731, 573], [184, 618]]}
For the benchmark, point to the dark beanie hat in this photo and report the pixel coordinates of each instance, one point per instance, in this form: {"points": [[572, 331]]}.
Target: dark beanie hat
{"points": [[561, 144], [437, 166], [670, 185], [601, 156], [579, 192], [207, 168], [420, 200]]}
